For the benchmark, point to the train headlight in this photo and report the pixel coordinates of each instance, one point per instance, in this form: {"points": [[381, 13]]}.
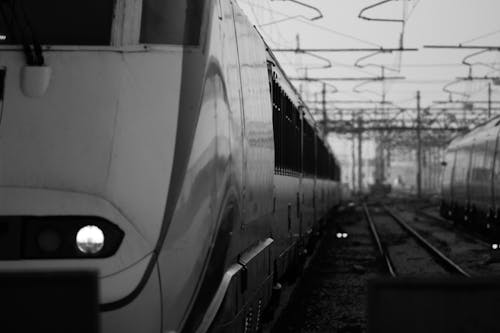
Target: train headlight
{"points": [[58, 237], [90, 239]]}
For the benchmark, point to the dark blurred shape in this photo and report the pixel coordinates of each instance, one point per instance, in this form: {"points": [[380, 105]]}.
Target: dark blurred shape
{"points": [[49, 302], [434, 305], [59, 22], [49, 241], [380, 189]]}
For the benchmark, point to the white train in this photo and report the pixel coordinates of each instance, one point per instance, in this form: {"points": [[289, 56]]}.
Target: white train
{"points": [[160, 144]]}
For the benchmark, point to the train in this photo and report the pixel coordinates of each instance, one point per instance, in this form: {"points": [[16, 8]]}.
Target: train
{"points": [[160, 145], [471, 178]]}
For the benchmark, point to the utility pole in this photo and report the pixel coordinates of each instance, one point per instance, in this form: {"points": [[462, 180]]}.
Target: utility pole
{"points": [[430, 164], [436, 166], [353, 162], [325, 120], [419, 148], [380, 158], [426, 164], [489, 100], [360, 155]]}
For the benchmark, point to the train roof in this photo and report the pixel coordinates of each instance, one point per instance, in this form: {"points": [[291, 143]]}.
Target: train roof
{"points": [[469, 136]]}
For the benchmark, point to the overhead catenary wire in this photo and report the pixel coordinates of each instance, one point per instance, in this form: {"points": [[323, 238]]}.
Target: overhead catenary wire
{"points": [[317, 17], [362, 15], [315, 25], [412, 10], [481, 37]]}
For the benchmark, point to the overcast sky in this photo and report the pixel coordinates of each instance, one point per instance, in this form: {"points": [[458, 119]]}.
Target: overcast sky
{"points": [[429, 22]]}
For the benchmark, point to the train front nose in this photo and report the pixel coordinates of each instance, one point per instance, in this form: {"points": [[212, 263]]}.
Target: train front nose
{"points": [[85, 171]]}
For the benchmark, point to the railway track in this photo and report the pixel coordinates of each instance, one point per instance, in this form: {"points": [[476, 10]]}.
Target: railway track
{"points": [[398, 234], [478, 237]]}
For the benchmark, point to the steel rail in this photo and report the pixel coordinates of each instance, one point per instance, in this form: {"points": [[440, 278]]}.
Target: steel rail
{"points": [[443, 259], [443, 220], [381, 248]]}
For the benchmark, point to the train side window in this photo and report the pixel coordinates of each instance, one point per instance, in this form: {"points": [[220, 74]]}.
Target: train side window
{"points": [[468, 154], [61, 22], [277, 120], [489, 158], [282, 130], [171, 22], [464, 165], [448, 171], [460, 167], [497, 167], [477, 163]]}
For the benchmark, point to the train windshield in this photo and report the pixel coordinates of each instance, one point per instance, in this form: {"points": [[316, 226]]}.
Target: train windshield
{"points": [[56, 22], [171, 22]]}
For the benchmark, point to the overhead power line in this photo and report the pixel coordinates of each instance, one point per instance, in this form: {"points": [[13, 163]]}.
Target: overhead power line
{"points": [[465, 47], [481, 37], [316, 9], [381, 78], [308, 22], [378, 50], [363, 16]]}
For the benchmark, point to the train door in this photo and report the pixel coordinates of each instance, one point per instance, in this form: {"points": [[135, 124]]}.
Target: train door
{"points": [[233, 81], [454, 159], [300, 193], [488, 184], [315, 186], [480, 176], [459, 181], [496, 176], [258, 166], [447, 180], [469, 150]]}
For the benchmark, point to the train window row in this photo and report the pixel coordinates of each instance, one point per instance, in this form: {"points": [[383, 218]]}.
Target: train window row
{"points": [[293, 157], [286, 124]]}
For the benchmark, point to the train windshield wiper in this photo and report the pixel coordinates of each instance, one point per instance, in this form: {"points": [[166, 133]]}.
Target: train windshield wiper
{"points": [[21, 29]]}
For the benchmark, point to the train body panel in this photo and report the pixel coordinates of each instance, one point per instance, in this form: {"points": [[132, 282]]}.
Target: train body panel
{"points": [[258, 129], [308, 202], [285, 235], [202, 153], [480, 197], [145, 311], [470, 178]]}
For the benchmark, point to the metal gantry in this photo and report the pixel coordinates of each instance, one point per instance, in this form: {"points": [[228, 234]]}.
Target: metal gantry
{"points": [[422, 129]]}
